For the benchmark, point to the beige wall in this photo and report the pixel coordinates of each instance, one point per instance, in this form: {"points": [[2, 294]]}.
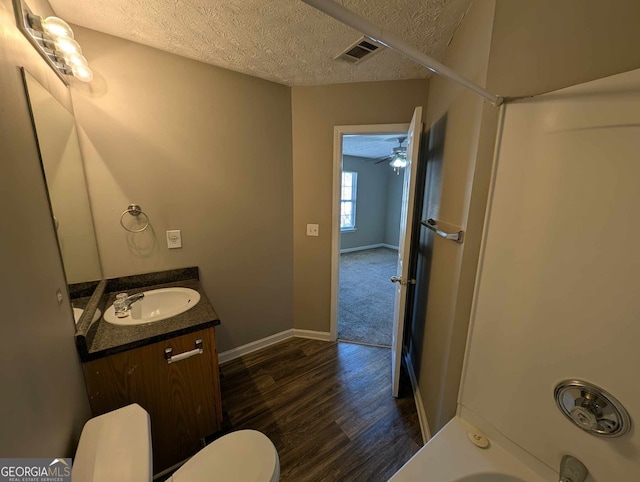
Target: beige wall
{"points": [[44, 402], [452, 266], [316, 110], [201, 149], [543, 45]]}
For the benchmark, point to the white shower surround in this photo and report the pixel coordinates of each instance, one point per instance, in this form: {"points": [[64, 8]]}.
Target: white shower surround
{"points": [[556, 294]]}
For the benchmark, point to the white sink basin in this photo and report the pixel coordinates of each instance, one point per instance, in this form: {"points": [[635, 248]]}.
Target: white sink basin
{"points": [[155, 306]]}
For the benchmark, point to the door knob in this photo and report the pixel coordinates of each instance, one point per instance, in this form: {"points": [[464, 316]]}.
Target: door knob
{"points": [[398, 279]]}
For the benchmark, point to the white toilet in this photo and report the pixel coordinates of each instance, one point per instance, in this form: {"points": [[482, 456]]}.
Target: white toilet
{"points": [[117, 446]]}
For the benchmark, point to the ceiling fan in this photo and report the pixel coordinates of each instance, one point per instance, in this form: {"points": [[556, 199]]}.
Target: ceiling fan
{"points": [[398, 158]]}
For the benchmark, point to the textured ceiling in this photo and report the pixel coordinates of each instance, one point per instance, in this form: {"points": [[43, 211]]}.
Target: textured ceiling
{"points": [[285, 41], [371, 147]]}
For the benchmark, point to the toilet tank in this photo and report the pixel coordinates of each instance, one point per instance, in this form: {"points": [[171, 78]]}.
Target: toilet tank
{"points": [[115, 446]]}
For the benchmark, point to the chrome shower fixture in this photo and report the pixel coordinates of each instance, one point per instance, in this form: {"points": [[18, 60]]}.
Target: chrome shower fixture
{"points": [[592, 409]]}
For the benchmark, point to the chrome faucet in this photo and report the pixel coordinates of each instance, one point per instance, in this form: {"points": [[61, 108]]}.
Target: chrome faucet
{"points": [[123, 303], [572, 470], [132, 299]]}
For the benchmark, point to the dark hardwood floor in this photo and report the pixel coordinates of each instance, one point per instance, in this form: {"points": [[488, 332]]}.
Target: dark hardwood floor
{"points": [[327, 407]]}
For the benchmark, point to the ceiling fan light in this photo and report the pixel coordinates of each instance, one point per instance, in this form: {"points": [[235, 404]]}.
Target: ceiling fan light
{"points": [[398, 163]]}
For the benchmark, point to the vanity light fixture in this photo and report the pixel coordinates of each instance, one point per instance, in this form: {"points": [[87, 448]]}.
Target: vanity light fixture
{"points": [[53, 38], [56, 27], [66, 46]]}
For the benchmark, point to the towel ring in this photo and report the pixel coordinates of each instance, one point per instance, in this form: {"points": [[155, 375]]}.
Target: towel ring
{"points": [[134, 210]]}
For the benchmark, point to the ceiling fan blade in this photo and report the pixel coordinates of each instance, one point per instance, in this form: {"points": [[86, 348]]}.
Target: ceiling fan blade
{"points": [[383, 159], [396, 151]]}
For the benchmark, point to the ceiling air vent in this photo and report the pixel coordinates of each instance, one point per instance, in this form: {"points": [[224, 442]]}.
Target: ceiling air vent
{"points": [[360, 50]]}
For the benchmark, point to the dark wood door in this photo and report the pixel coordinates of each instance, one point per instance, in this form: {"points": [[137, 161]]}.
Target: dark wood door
{"points": [[427, 199]]}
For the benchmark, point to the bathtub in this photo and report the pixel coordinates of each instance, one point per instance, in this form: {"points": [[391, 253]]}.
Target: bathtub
{"points": [[450, 456]]}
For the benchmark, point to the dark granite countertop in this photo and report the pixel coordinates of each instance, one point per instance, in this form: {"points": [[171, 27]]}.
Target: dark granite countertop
{"points": [[101, 338]]}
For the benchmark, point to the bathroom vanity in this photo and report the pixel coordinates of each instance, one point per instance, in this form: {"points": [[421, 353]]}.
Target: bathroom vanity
{"points": [[169, 367]]}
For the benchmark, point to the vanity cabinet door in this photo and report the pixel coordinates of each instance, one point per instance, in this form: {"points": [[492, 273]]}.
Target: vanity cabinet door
{"points": [[182, 397]]}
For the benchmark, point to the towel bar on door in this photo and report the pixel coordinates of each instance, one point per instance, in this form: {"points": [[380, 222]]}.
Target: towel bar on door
{"points": [[433, 226]]}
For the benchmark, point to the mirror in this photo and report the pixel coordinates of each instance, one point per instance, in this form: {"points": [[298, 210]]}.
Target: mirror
{"points": [[63, 169]]}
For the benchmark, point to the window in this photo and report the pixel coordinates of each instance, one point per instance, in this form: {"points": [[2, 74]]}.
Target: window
{"points": [[348, 201]]}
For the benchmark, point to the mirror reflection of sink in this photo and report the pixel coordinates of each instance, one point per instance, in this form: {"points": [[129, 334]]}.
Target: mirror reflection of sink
{"points": [[77, 313], [156, 305]]}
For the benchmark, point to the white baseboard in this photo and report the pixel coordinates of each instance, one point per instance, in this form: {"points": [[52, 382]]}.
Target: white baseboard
{"points": [[422, 414], [369, 246], [237, 352], [361, 248], [234, 353], [312, 335]]}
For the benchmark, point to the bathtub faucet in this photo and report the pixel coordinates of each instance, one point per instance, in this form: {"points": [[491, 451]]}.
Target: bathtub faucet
{"points": [[572, 470]]}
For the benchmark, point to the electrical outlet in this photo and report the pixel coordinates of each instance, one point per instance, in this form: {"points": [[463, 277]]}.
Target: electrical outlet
{"points": [[313, 230], [174, 239]]}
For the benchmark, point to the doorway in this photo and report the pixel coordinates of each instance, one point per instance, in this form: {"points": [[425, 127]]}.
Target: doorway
{"points": [[340, 132], [401, 279], [371, 185]]}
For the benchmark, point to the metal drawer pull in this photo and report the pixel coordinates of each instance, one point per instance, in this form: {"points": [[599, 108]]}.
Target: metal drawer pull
{"points": [[433, 226], [171, 358]]}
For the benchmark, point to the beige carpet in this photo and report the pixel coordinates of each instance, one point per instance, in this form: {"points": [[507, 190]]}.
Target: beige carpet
{"points": [[365, 305]]}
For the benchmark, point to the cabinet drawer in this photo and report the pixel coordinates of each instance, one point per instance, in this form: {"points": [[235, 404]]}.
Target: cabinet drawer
{"points": [[181, 394]]}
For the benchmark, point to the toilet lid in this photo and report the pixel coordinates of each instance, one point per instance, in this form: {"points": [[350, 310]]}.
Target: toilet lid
{"points": [[242, 456]]}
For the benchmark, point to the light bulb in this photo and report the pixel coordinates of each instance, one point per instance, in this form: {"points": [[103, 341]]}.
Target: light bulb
{"points": [[75, 60], [67, 46], [83, 73], [56, 27], [396, 163]]}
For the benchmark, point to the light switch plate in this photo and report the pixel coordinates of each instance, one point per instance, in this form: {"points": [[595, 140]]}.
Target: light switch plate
{"points": [[174, 239], [313, 230]]}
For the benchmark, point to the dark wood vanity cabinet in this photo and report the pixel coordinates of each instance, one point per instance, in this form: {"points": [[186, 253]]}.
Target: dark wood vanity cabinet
{"points": [[182, 397]]}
